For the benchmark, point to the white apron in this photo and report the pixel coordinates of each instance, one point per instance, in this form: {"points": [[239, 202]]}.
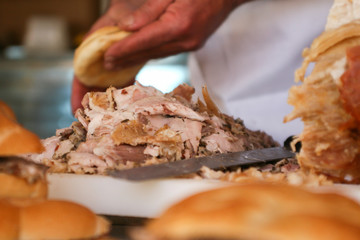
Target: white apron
{"points": [[248, 64]]}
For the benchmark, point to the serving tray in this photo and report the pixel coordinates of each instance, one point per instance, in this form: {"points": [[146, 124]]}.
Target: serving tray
{"points": [[110, 196]]}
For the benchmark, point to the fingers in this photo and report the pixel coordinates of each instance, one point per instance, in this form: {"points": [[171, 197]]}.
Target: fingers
{"points": [[102, 22], [150, 11], [146, 38], [164, 37], [183, 26], [144, 56], [118, 12]]}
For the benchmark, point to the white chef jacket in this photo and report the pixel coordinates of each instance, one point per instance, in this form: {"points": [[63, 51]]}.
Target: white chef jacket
{"points": [[248, 64]]}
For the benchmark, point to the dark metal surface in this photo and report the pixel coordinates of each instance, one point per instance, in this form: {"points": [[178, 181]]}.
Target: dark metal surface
{"points": [[38, 91], [122, 225], [219, 161]]}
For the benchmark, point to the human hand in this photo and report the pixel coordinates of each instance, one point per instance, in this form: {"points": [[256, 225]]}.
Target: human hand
{"points": [[118, 10], [165, 27], [160, 28]]}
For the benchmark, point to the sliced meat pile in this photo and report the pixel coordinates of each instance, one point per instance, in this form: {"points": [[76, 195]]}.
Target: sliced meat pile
{"points": [[327, 101], [19, 167], [138, 125], [285, 171]]}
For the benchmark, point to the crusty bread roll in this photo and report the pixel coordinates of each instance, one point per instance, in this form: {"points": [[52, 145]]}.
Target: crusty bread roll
{"points": [[258, 211], [89, 60], [9, 219], [25, 213], [14, 139], [7, 111], [17, 187], [48, 219], [20, 178], [326, 101]]}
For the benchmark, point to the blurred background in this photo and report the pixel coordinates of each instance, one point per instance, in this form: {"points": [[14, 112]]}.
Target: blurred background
{"points": [[37, 42]]}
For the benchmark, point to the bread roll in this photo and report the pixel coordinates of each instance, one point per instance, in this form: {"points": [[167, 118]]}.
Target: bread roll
{"points": [[258, 211], [24, 211], [20, 178], [18, 187], [7, 111], [9, 221], [48, 219], [89, 60], [14, 139]]}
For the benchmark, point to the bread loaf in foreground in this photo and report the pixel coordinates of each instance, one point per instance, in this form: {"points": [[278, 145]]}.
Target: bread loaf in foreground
{"points": [[260, 211], [36, 219]]}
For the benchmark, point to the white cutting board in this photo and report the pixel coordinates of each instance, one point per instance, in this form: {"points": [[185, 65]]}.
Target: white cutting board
{"points": [[107, 195]]}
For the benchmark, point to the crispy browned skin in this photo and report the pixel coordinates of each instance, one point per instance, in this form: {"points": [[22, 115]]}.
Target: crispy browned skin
{"points": [[327, 104], [350, 90]]}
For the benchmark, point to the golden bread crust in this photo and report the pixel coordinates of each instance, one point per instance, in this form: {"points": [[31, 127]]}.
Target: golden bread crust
{"points": [[14, 139], [9, 219], [12, 186], [7, 111], [51, 219], [343, 12], [89, 60], [259, 211]]}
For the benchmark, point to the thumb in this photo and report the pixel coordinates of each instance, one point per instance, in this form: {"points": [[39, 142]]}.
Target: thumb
{"points": [[150, 11]]}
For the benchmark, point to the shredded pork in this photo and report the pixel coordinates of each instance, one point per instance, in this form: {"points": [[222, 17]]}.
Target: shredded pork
{"points": [[138, 125]]}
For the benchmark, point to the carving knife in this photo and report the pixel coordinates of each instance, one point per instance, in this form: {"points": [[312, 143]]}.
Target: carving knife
{"points": [[193, 165]]}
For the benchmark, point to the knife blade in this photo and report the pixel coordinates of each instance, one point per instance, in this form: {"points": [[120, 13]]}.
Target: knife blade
{"points": [[192, 165]]}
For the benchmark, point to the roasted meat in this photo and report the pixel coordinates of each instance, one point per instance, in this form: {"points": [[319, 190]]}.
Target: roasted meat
{"points": [[138, 125], [327, 101]]}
